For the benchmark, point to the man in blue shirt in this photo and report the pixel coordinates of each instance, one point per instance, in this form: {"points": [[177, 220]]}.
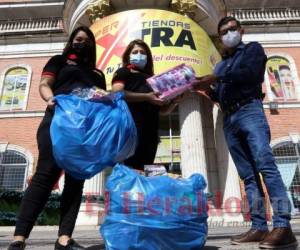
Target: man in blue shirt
{"points": [[236, 85]]}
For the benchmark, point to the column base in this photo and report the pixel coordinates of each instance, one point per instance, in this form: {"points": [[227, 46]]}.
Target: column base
{"points": [[90, 214]]}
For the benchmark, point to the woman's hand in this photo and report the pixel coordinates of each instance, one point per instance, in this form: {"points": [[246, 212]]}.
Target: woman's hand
{"points": [[153, 98], [51, 102], [29, 179], [130, 96]]}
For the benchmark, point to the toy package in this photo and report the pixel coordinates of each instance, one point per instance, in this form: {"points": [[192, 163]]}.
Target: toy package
{"points": [[173, 82]]}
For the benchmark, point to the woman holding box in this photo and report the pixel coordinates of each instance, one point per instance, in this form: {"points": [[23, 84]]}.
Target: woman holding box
{"points": [[144, 104]]}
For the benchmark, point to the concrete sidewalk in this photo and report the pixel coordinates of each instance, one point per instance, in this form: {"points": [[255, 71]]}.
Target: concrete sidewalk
{"points": [[43, 237]]}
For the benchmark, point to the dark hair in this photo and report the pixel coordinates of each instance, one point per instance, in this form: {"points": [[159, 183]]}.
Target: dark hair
{"points": [[91, 56], [284, 67], [226, 20], [125, 58]]}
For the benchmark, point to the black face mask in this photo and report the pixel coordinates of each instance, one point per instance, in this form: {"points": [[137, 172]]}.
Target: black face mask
{"points": [[81, 49]]}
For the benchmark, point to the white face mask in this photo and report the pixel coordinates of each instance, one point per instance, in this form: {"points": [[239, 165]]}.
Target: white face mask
{"points": [[231, 39]]}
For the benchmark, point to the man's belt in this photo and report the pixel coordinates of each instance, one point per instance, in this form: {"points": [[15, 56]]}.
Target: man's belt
{"points": [[236, 106]]}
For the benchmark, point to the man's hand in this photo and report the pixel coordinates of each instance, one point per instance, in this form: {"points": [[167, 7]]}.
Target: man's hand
{"points": [[203, 83], [179, 98]]}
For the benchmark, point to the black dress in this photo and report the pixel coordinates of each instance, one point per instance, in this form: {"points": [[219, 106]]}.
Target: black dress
{"points": [[69, 73], [145, 115]]}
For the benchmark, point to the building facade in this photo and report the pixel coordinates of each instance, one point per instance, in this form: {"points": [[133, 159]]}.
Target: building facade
{"points": [[191, 137]]}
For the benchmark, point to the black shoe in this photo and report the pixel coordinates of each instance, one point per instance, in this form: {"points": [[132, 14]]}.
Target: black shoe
{"points": [[17, 245], [71, 245]]}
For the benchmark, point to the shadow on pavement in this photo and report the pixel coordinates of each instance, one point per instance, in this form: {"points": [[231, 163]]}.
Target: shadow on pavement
{"points": [[96, 247], [102, 247], [210, 248]]}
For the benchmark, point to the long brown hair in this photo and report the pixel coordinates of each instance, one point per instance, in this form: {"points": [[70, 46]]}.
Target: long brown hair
{"points": [[91, 56], [125, 58]]}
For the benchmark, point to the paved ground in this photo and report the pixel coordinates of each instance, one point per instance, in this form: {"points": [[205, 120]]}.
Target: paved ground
{"points": [[43, 238]]}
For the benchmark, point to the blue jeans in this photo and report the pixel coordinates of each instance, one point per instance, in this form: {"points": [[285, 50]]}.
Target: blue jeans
{"points": [[248, 137]]}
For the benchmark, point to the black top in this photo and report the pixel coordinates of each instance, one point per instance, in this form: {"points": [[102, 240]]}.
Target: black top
{"points": [[145, 114], [70, 73]]}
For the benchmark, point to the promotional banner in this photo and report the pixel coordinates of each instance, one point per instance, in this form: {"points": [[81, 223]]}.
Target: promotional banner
{"points": [[174, 39], [280, 78], [14, 87]]}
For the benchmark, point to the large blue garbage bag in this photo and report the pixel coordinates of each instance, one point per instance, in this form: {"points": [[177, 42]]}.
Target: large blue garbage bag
{"points": [[154, 213], [89, 136]]}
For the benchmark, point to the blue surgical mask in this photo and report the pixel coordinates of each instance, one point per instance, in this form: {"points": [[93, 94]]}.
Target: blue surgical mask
{"points": [[139, 60]]}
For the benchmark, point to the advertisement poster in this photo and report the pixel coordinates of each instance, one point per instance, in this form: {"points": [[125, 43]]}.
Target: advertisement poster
{"points": [[173, 39], [280, 78], [13, 90]]}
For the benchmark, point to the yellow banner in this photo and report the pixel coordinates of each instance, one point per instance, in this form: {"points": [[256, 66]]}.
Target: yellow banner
{"points": [[173, 39]]}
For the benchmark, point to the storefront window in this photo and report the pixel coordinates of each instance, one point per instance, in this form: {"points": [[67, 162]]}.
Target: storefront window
{"points": [[169, 124], [13, 166], [13, 92], [168, 151], [287, 159]]}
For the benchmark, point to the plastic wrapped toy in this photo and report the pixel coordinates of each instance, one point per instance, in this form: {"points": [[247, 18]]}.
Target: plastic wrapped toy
{"points": [[173, 82]]}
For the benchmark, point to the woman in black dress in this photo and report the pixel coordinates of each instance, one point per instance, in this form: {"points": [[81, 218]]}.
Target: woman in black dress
{"points": [[62, 74], [144, 104]]}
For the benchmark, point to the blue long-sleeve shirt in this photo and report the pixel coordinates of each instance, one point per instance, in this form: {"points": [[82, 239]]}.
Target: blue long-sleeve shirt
{"points": [[240, 75]]}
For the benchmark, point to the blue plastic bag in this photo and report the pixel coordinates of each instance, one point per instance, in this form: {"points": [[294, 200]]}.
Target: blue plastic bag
{"points": [[154, 213], [89, 136]]}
